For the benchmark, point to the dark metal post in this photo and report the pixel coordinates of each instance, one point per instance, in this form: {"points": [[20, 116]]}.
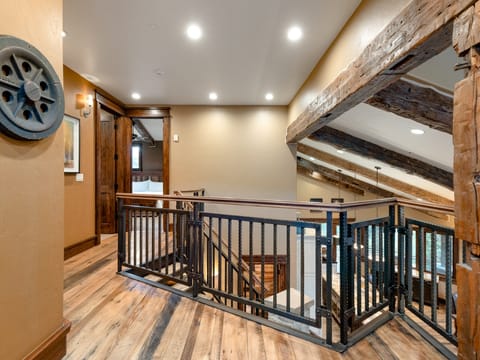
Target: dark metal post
{"points": [[401, 259], [346, 271], [391, 258], [195, 238], [121, 234]]}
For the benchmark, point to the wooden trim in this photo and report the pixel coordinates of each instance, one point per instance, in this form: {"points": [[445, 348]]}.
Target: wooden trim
{"points": [[54, 347], [305, 168], [342, 140], [423, 104], [420, 31], [151, 112], [372, 175], [75, 249], [166, 155], [96, 135], [345, 179], [110, 104]]}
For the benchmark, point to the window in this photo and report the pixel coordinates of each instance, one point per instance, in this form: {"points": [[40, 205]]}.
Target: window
{"points": [[137, 157]]}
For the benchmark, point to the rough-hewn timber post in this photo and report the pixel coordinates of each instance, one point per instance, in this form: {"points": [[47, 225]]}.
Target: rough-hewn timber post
{"points": [[466, 140]]}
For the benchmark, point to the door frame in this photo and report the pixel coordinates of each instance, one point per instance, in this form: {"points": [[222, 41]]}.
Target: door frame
{"points": [[100, 102], [164, 114]]}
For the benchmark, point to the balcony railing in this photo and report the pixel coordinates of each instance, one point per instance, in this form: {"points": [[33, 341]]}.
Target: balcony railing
{"points": [[332, 281]]}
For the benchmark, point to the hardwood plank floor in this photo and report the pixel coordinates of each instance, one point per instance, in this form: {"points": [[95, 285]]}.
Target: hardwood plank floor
{"points": [[114, 317]]}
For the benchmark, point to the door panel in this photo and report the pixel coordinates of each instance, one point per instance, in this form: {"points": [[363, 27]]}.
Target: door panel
{"points": [[107, 173]]}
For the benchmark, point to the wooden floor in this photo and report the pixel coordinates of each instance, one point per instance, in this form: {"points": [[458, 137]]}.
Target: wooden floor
{"points": [[114, 317]]}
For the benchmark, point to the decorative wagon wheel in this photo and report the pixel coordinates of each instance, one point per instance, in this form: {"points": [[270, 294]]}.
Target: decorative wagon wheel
{"points": [[32, 100]]}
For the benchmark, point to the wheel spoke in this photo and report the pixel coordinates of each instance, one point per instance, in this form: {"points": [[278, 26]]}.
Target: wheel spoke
{"points": [[47, 99], [17, 67], [37, 75], [38, 114], [9, 84], [19, 107]]}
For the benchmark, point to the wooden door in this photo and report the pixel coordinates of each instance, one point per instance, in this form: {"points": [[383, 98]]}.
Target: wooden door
{"points": [[107, 173]]}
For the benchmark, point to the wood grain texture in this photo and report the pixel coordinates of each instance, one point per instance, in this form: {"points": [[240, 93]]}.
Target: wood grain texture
{"points": [[421, 30], [415, 102], [466, 30], [466, 159], [350, 143], [151, 112], [468, 279], [372, 175], [118, 318]]}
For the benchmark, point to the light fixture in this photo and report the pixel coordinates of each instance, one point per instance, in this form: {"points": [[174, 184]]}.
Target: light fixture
{"points": [[213, 96], [417, 131], [194, 32], [269, 96], [294, 33], [64, 34], [136, 96], [85, 103], [311, 158], [341, 151]]}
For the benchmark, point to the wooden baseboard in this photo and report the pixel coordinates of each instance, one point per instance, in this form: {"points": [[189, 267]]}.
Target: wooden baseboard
{"points": [[54, 347], [75, 249]]}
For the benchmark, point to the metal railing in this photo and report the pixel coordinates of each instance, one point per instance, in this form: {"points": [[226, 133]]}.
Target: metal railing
{"points": [[329, 278]]}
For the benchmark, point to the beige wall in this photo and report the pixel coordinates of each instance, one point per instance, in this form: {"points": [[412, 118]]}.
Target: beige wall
{"points": [[236, 152], [31, 215], [233, 151], [80, 196], [368, 20]]}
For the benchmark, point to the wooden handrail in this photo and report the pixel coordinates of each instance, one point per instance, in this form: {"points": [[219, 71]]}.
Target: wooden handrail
{"points": [[305, 205]]}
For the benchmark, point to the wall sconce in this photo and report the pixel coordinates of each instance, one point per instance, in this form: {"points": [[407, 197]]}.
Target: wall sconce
{"points": [[88, 105], [85, 104]]}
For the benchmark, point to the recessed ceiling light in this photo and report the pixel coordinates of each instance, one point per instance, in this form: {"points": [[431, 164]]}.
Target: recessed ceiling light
{"points": [[136, 96], [64, 34], [340, 151], [194, 32], [213, 96], [417, 131], [294, 33], [269, 96], [311, 158]]}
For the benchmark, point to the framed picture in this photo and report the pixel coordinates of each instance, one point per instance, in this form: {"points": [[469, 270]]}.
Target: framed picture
{"points": [[71, 131]]}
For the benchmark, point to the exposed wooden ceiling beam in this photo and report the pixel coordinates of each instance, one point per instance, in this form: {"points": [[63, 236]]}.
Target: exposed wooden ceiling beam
{"points": [[421, 30], [367, 149], [322, 179], [348, 183], [372, 175], [345, 179], [146, 137], [416, 102]]}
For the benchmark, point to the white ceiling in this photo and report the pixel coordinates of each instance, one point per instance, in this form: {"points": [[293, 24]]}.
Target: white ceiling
{"points": [[141, 46]]}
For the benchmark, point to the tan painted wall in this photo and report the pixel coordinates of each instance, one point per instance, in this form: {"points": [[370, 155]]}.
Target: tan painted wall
{"points": [[233, 151], [80, 196], [368, 20], [236, 152], [31, 192]]}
